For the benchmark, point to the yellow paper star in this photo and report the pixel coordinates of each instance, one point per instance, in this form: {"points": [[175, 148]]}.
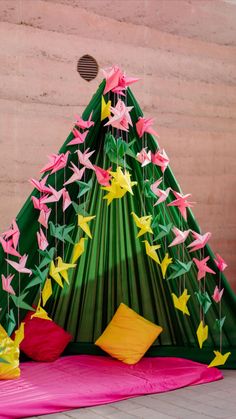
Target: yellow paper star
{"points": [[114, 191], [83, 223], [47, 291], [54, 274], [123, 179], [78, 249], [219, 359], [151, 251], [41, 313], [63, 267], [181, 302], [19, 334], [164, 264], [144, 223], [105, 109], [202, 333]]}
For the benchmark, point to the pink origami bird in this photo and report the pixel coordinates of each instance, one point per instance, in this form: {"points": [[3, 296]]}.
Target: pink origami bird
{"points": [[84, 158], [56, 162], [39, 203], [116, 80], [13, 233], [217, 295], [6, 284], [163, 195], [180, 236], [41, 185], [202, 267], [145, 125], [220, 263], [78, 174], [79, 137], [55, 196], [44, 216], [161, 159], [81, 123], [144, 157], [42, 240], [121, 118], [182, 203], [200, 241], [20, 267], [66, 199], [8, 247], [154, 186], [103, 176]]}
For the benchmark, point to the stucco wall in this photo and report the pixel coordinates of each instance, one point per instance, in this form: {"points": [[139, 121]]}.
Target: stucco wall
{"points": [[183, 50]]}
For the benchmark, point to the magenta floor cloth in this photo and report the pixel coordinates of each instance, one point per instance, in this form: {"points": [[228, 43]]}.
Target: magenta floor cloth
{"points": [[85, 380]]}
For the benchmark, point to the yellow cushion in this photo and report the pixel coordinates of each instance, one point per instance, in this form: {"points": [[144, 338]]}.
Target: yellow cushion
{"points": [[128, 335], [9, 357]]}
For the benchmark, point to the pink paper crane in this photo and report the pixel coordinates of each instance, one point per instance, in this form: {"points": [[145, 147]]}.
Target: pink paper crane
{"points": [[13, 233], [78, 174], [154, 186], [84, 124], [8, 247], [84, 158], [66, 199], [180, 236], [20, 267], [145, 125], [200, 241], [56, 162], [42, 240], [39, 203], [116, 80], [41, 185], [161, 159], [6, 284], [217, 295], [220, 263], [182, 203], [79, 137], [103, 176], [144, 157], [163, 195], [55, 196], [121, 118], [202, 267], [44, 216]]}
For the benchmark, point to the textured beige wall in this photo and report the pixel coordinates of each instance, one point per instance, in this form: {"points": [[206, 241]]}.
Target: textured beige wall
{"points": [[184, 51]]}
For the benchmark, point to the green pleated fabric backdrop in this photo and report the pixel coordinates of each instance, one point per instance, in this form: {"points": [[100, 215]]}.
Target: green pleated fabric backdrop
{"points": [[114, 267]]}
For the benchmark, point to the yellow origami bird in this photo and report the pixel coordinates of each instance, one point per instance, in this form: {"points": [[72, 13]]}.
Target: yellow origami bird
{"points": [[105, 109], [123, 179], [202, 333], [53, 272], [40, 313], [78, 249], [181, 302], [63, 267], [19, 334], [10, 354], [114, 191], [151, 251], [83, 223], [47, 291], [164, 264], [219, 359], [144, 223]]}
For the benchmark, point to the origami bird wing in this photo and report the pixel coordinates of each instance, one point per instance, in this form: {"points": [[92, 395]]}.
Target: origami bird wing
{"points": [[219, 359], [103, 176], [202, 333], [54, 274], [83, 223], [181, 302], [164, 264], [47, 291], [151, 251], [220, 263], [6, 284], [78, 174], [42, 240], [105, 109], [78, 249], [20, 267], [19, 334]]}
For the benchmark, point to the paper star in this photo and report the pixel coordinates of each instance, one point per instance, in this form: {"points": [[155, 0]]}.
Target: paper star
{"points": [[144, 157], [181, 302], [121, 118], [114, 191], [6, 284], [144, 223], [78, 174], [220, 263], [219, 359], [199, 242], [83, 223], [79, 137], [182, 203], [105, 109], [164, 264], [47, 291], [202, 267], [78, 249], [145, 125], [180, 236], [202, 333], [84, 124], [161, 159], [123, 179], [217, 295], [151, 251]]}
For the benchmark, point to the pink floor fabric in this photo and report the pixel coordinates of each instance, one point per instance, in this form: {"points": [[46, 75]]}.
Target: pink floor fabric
{"points": [[85, 380]]}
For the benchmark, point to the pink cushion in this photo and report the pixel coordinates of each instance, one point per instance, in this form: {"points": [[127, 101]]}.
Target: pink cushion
{"points": [[44, 340]]}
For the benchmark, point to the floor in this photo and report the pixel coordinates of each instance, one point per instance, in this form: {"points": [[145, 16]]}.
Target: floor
{"points": [[214, 400]]}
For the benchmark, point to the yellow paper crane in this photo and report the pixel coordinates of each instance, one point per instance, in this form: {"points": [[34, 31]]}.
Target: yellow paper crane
{"points": [[144, 223], [78, 249], [83, 223], [47, 291], [53, 272], [202, 333], [151, 251], [181, 302], [123, 179], [63, 267], [105, 109], [164, 264], [114, 191], [10, 353], [40, 313], [219, 359], [19, 334]]}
